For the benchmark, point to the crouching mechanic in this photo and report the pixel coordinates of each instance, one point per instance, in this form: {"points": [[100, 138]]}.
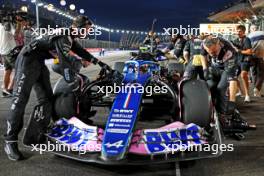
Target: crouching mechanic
{"points": [[221, 77], [32, 72]]}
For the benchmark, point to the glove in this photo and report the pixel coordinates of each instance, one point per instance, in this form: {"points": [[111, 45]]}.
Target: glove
{"points": [[206, 74], [105, 66], [94, 60], [100, 63]]}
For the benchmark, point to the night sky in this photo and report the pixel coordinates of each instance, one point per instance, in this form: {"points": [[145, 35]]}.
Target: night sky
{"points": [[138, 14]]}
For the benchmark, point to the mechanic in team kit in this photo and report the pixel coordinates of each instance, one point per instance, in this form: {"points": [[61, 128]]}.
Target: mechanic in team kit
{"points": [[179, 46], [149, 38], [32, 72], [221, 76], [257, 63], [168, 50], [192, 55]]}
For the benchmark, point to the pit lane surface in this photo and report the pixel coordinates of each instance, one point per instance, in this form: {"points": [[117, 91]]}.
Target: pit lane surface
{"points": [[246, 159]]}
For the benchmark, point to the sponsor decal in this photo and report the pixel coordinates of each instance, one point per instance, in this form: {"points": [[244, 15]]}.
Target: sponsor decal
{"points": [[117, 130], [162, 141], [67, 133], [127, 100], [117, 144], [18, 92], [121, 120]]}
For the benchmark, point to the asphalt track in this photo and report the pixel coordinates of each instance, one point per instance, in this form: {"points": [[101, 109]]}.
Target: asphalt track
{"points": [[246, 159]]}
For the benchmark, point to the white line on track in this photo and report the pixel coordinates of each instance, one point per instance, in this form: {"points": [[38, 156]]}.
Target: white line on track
{"points": [[177, 169]]}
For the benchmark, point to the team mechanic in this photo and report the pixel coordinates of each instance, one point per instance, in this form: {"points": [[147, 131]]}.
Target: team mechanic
{"points": [[179, 46], [221, 76], [196, 62], [32, 72]]}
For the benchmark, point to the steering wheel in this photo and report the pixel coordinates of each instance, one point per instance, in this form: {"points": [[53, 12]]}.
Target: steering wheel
{"points": [[106, 78], [92, 90]]}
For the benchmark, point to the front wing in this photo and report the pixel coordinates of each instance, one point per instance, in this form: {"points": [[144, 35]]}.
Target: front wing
{"points": [[174, 142]]}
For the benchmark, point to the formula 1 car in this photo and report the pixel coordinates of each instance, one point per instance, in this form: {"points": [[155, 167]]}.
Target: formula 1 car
{"points": [[192, 124]]}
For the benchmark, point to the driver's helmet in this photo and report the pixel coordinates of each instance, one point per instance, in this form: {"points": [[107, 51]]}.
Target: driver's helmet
{"points": [[130, 68], [131, 72], [144, 68]]}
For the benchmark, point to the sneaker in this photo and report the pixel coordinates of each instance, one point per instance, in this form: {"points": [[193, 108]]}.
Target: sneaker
{"points": [[6, 93], [257, 93], [10, 91], [247, 99], [239, 94], [11, 149]]}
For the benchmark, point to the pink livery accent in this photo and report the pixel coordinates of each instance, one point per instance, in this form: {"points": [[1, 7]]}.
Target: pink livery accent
{"points": [[90, 137]]}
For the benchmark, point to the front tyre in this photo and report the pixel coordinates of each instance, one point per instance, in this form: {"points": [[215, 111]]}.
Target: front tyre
{"points": [[196, 105]]}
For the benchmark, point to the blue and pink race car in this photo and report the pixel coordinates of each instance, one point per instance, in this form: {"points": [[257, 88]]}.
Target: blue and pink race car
{"points": [[190, 121]]}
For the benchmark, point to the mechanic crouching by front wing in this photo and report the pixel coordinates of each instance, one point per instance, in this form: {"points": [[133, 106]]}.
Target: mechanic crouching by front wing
{"points": [[221, 77], [32, 72]]}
